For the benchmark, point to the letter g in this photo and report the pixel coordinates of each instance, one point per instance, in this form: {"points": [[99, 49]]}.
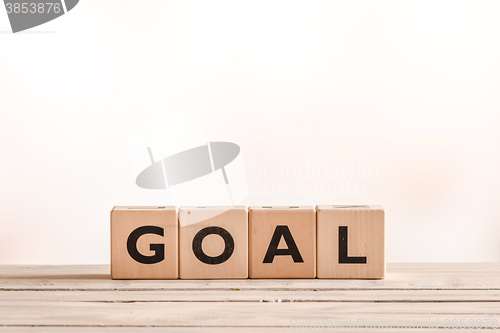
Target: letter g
{"points": [[159, 249]]}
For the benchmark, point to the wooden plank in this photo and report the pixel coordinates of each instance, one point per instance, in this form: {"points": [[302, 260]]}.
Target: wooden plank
{"points": [[150, 329], [399, 276], [233, 314], [83, 298], [380, 296]]}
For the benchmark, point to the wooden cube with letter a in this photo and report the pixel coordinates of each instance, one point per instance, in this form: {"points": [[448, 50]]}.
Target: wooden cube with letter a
{"points": [[144, 243], [350, 242], [213, 242], [282, 242]]}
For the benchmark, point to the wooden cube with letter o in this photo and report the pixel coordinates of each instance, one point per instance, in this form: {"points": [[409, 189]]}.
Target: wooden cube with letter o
{"points": [[144, 243], [213, 242], [282, 242]]}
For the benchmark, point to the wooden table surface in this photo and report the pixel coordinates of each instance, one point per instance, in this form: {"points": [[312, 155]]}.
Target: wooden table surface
{"points": [[85, 299]]}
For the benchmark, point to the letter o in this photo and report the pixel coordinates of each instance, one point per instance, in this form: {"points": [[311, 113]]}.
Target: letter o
{"points": [[228, 245]]}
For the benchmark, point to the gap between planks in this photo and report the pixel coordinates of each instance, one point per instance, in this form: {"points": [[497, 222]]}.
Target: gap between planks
{"points": [[254, 296]]}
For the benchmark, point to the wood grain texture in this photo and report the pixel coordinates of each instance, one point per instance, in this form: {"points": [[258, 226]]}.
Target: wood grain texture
{"points": [[234, 222], [217, 329], [364, 234], [232, 313], [242, 329], [124, 220], [266, 224], [86, 299], [413, 277]]}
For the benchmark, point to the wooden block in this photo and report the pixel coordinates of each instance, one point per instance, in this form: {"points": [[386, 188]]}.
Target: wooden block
{"points": [[350, 242], [213, 242], [144, 243], [282, 242]]}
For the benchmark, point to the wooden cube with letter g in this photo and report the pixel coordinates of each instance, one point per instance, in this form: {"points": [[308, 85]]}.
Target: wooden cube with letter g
{"points": [[144, 243]]}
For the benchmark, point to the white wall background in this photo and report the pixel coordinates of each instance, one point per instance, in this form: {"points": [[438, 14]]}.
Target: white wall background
{"points": [[410, 88]]}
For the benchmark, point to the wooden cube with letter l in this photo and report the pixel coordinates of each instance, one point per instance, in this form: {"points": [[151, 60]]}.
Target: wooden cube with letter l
{"points": [[350, 242], [213, 242], [282, 242], [144, 243]]}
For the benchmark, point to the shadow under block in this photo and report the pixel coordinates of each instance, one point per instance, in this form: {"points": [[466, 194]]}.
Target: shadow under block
{"points": [[282, 242], [144, 243], [350, 242], [213, 242]]}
